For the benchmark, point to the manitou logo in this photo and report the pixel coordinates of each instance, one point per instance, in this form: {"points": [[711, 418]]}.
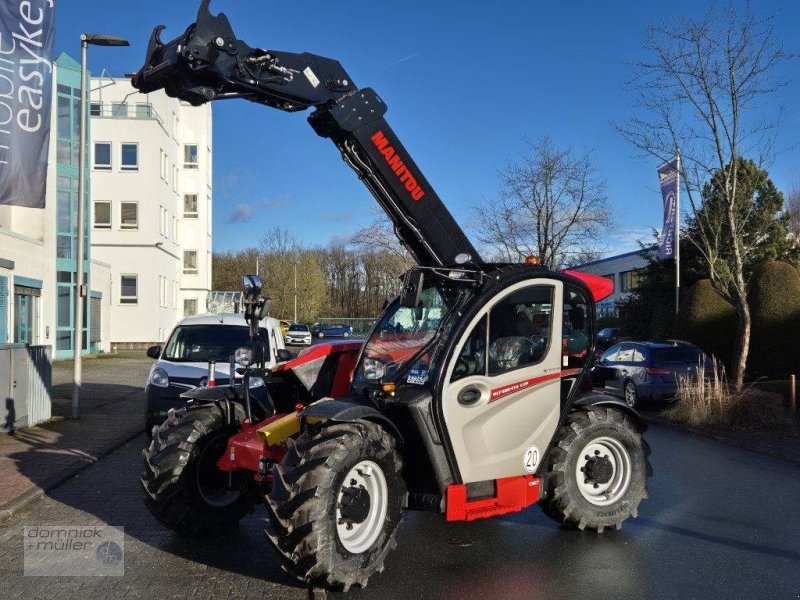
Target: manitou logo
{"points": [[397, 165]]}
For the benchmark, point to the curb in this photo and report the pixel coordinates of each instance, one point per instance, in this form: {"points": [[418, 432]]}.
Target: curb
{"points": [[9, 509], [722, 439]]}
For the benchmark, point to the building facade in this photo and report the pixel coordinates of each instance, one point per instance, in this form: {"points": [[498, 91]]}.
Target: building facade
{"points": [[624, 270], [38, 246], [151, 169]]}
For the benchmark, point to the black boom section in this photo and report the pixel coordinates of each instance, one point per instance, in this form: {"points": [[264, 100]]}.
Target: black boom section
{"points": [[207, 62]]}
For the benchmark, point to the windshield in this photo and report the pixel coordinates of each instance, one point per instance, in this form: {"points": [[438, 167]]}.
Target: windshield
{"points": [[401, 333], [298, 328], [202, 343]]}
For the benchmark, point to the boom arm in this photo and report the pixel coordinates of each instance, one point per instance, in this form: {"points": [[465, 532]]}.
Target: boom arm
{"points": [[209, 63]]}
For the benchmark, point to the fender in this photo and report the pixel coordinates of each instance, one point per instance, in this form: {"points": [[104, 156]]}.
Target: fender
{"points": [[223, 396], [598, 399], [349, 411]]}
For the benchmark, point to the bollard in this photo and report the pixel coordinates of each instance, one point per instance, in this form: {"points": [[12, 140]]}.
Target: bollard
{"points": [[793, 399]]}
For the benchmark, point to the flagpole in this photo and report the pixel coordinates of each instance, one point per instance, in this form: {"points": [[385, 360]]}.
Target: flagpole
{"points": [[678, 232]]}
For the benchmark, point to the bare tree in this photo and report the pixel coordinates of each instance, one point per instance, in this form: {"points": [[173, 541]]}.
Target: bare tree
{"points": [[793, 210], [706, 90], [552, 204]]}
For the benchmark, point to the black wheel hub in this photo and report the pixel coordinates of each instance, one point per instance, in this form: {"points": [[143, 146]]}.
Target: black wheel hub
{"points": [[354, 505], [599, 470]]}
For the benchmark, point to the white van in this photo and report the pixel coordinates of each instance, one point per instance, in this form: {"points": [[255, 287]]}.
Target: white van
{"points": [[183, 362]]}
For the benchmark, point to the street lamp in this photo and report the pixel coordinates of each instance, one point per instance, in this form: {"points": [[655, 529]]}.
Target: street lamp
{"points": [[95, 39]]}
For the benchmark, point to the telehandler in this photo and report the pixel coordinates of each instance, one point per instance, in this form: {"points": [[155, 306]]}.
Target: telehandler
{"points": [[471, 397]]}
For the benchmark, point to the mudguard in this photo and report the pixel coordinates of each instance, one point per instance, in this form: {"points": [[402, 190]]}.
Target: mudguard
{"points": [[600, 399], [223, 396], [348, 411]]}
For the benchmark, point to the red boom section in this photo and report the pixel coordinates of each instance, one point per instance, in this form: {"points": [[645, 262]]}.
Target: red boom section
{"points": [[600, 287], [512, 495]]}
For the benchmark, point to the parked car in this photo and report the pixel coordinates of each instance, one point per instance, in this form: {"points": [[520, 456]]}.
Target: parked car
{"points": [[298, 334], [284, 325], [322, 330], [648, 370], [183, 363], [608, 336]]}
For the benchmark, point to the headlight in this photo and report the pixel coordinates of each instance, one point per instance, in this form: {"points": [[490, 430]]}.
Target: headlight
{"points": [[243, 356], [256, 382], [373, 368], [159, 378]]}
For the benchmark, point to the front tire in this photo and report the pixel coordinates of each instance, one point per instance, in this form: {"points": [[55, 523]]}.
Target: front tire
{"points": [[183, 488], [335, 504], [598, 470]]}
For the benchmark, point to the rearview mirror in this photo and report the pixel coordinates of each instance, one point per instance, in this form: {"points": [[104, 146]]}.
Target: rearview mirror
{"points": [[252, 286], [412, 288], [154, 352]]}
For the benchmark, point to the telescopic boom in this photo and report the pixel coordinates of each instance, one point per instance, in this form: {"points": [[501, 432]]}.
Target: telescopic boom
{"points": [[209, 63]]}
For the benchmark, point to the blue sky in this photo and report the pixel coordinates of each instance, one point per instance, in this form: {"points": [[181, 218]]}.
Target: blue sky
{"points": [[464, 82]]}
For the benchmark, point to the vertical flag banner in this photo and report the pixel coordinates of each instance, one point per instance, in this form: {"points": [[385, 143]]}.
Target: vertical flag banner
{"points": [[27, 33], [668, 176]]}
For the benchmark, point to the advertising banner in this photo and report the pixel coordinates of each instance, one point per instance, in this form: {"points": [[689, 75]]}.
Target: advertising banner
{"points": [[668, 176]]}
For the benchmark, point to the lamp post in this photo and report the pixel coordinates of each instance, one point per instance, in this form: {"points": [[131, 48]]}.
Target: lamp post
{"points": [[295, 290], [95, 39]]}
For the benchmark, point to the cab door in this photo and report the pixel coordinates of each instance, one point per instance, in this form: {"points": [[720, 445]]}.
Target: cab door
{"points": [[502, 392]]}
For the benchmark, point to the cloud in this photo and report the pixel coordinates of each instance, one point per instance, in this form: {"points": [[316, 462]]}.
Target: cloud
{"points": [[276, 202], [241, 213]]}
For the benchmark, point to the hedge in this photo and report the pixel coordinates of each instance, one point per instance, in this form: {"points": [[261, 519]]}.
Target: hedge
{"points": [[708, 320], [775, 311]]}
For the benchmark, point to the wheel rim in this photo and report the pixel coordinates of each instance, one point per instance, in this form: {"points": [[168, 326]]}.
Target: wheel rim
{"points": [[361, 506], [630, 394], [213, 484], [603, 471]]}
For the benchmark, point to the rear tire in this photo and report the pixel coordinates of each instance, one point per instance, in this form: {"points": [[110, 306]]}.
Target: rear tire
{"points": [[183, 489], [631, 395], [335, 504], [598, 470]]}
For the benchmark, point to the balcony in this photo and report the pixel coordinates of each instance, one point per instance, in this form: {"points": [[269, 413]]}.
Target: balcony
{"points": [[125, 110]]}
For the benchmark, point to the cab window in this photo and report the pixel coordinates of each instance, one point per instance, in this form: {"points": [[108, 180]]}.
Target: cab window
{"points": [[576, 329], [472, 358], [520, 328]]}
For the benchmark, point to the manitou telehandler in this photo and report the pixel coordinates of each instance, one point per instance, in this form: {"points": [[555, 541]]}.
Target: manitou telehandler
{"points": [[471, 396]]}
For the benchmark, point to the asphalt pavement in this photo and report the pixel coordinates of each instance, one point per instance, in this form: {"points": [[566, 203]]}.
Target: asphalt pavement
{"points": [[720, 522]]}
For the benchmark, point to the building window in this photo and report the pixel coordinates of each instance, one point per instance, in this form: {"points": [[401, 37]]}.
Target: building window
{"points": [[128, 289], [613, 281], [162, 220], [129, 215], [190, 206], [189, 307], [143, 111], [119, 110], [130, 157], [26, 314], [102, 156], [631, 280], [162, 291], [190, 156], [96, 109], [102, 214], [190, 262]]}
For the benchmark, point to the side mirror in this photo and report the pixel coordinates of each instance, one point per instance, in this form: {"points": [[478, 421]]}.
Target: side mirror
{"points": [[154, 352], [252, 286], [412, 288], [283, 354]]}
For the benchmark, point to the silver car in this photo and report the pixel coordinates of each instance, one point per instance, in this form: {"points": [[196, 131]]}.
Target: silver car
{"points": [[298, 335]]}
